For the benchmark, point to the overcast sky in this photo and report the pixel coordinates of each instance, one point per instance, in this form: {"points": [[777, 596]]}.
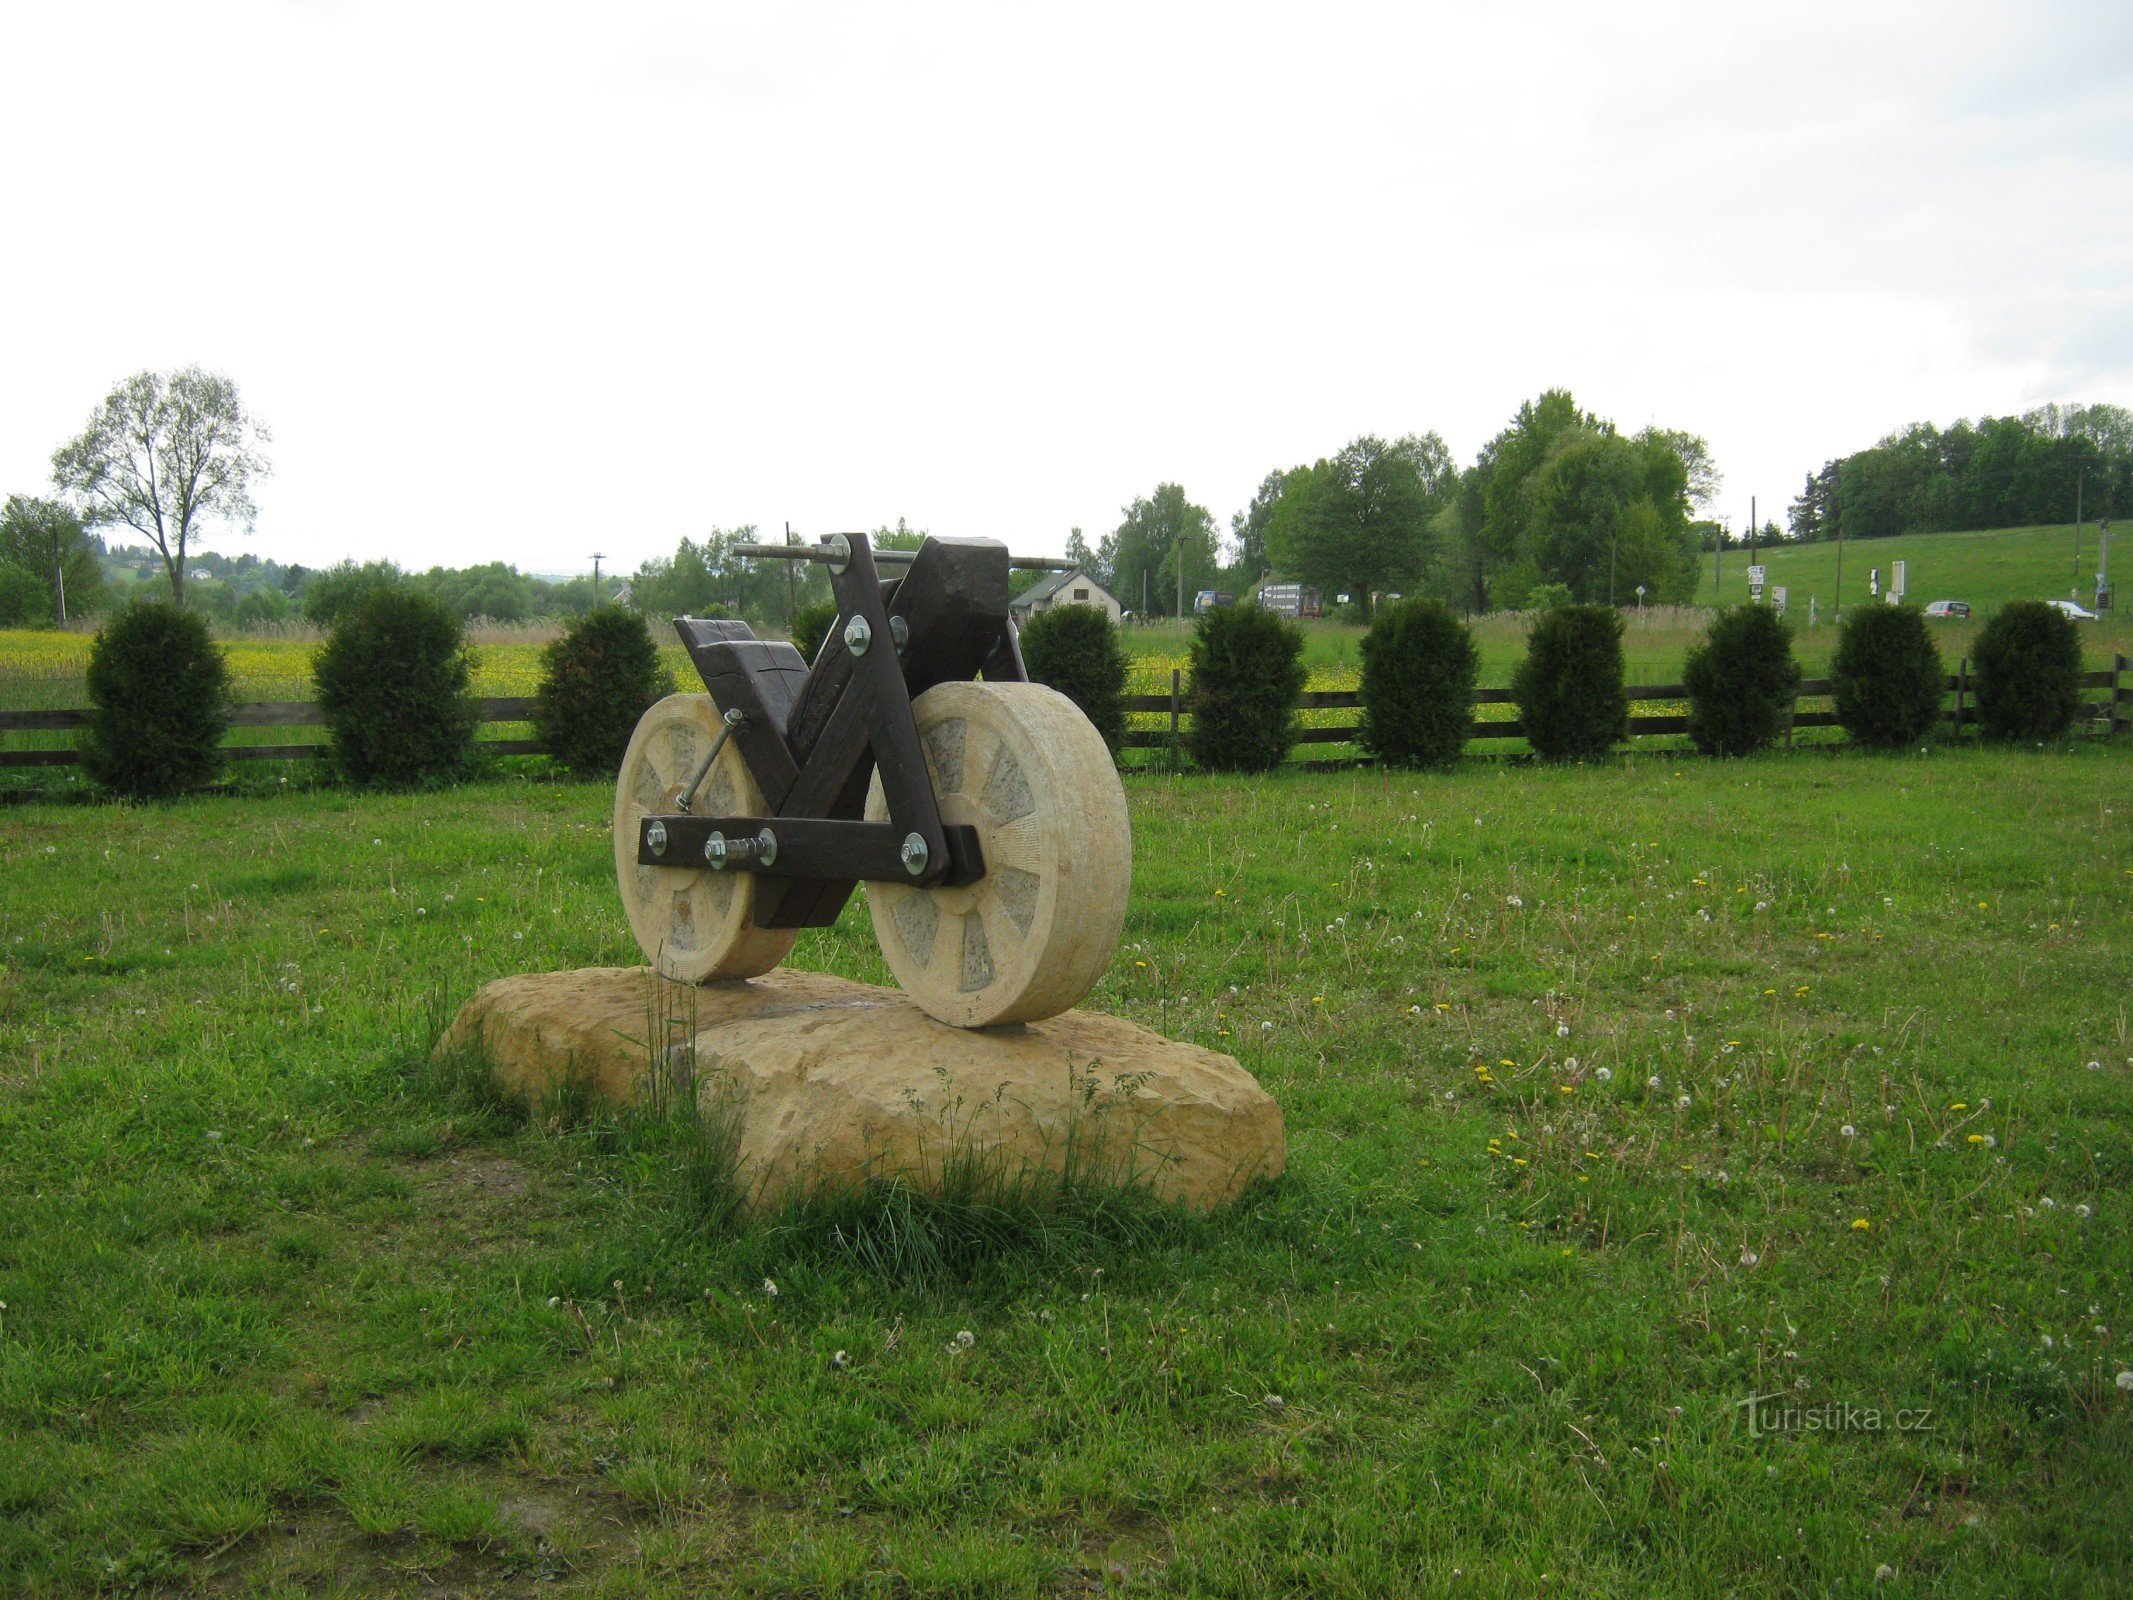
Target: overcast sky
{"points": [[518, 282]]}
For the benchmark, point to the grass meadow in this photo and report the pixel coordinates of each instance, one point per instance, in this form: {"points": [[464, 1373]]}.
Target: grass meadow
{"points": [[1617, 1096]]}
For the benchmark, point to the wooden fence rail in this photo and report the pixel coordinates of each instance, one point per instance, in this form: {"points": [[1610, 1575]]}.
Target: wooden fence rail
{"points": [[2113, 711]]}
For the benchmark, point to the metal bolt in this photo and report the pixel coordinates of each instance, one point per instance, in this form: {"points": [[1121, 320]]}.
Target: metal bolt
{"points": [[857, 636], [655, 835], [915, 854], [715, 852], [900, 631], [766, 847], [840, 552]]}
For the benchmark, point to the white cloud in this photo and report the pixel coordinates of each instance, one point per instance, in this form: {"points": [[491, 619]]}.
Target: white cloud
{"points": [[522, 282]]}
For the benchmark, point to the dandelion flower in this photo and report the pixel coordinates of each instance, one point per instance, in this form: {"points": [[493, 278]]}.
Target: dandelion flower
{"points": [[2125, 1381], [1652, 1082], [2081, 1210], [966, 1338], [1849, 1131], [1604, 1074], [1861, 1225], [1749, 1258], [1562, 1030], [770, 1288], [1681, 1102], [840, 1359]]}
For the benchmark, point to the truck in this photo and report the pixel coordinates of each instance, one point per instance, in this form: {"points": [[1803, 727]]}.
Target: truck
{"points": [[1299, 600]]}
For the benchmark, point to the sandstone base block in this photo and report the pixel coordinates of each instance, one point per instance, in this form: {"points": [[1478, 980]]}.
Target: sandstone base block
{"points": [[826, 1082]]}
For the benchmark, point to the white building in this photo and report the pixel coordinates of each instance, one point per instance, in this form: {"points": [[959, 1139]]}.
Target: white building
{"points": [[1074, 588]]}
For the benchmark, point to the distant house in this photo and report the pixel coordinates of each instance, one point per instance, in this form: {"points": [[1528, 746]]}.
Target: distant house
{"points": [[1074, 588]]}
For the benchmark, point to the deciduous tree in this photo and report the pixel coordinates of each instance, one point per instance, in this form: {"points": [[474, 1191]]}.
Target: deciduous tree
{"points": [[165, 453]]}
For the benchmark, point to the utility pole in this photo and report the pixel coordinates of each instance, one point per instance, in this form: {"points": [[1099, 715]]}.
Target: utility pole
{"points": [[598, 557], [1181, 574], [2080, 483], [792, 570]]}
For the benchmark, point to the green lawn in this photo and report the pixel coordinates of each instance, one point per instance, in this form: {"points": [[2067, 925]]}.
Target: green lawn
{"points": [[1616, 1096], [1988, 568]]}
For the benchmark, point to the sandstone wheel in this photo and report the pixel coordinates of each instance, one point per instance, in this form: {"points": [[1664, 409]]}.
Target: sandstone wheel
{"points": [[693, 923], [1021, 764]]}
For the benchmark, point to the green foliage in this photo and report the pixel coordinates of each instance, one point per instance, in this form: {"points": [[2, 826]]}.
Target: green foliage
{"points": [[811, 625], [1547, 596], [705, 578], [262, 606], [1886, 676], [1419, 665], [1360, 520], [596, 681], [159, 693], [1142, 554], [1999, 472], [1560, 496], [1246, 676], [1076, 650], [392, 680], [339, 590], [24, 600], [1741, 679], [1569, 686], [495, 591], [2026, 668], [45, 539]]}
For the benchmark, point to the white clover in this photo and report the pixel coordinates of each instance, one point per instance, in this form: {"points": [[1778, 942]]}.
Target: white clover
{"points": [[840, 1359], [1749, 1258], [1562, 1030], [770, 1288]]}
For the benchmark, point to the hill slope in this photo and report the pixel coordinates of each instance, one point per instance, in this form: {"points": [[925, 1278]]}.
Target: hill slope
{"points": [[1988, 568]]}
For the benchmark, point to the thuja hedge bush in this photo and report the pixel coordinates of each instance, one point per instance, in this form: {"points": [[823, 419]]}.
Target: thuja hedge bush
{"points": [[1569, 689], [1246, 674], [1741, 680], [1076, 650], [810, 624], [1419, 665], [1886, 677], [159, 702], [2027, 670], [596, 681], [392, 680]]}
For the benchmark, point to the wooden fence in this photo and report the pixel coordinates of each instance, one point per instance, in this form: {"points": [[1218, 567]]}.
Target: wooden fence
{"points": [[2112, 711]]}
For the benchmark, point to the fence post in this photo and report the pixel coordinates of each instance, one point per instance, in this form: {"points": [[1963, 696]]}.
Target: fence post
{"points": [[1177, 760], [1962, 682], [2118, 669]]}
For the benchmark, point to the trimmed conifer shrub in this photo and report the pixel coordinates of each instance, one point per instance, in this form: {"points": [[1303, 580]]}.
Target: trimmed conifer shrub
{"points": [[1741, 680], [2026, 668], [596, 681], [810, 624], [159, 694], [1886, 676], [1075, 649], [1246, 674], [392, 680], [1419, 665], [1569, 687]]}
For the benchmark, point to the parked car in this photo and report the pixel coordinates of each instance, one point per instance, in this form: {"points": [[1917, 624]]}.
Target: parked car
{"points": [[2074, 609], [1948, 608]]}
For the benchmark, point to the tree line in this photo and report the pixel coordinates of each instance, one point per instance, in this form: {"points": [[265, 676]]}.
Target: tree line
{"points": [[2049, 465], [1561, 504]]}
